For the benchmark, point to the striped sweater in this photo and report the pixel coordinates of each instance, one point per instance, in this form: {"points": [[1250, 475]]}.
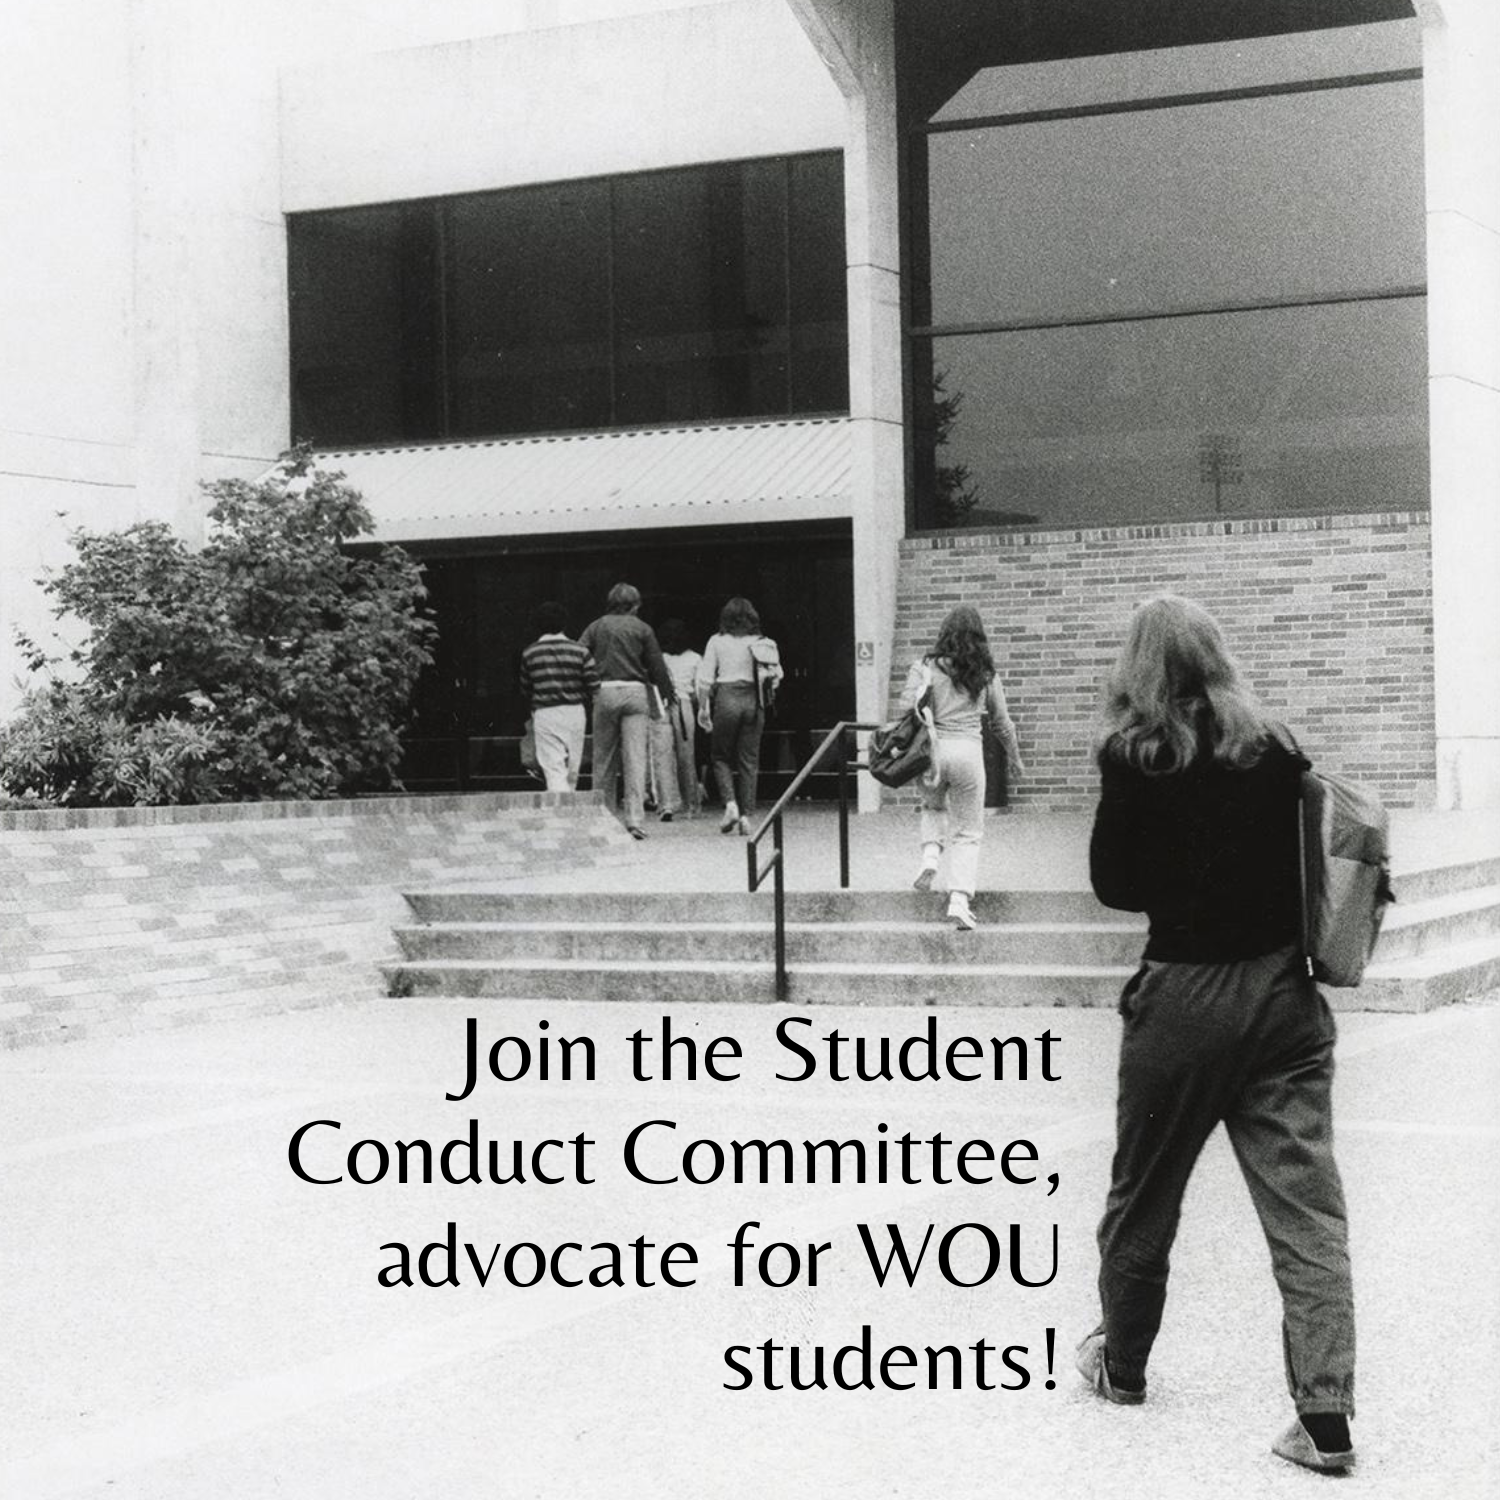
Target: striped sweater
{"points": [[555, 670]]}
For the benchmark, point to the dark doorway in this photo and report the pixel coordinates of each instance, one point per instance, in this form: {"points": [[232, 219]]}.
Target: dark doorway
{"points": [[469, 713]]}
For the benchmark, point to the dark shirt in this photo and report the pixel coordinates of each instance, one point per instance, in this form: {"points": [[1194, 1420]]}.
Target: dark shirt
{"points": [[555, 671], [625, 649], [1209, 854]]}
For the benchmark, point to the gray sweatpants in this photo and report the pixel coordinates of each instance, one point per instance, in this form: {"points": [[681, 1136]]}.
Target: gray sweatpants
{"points": [[1251, 1044]]}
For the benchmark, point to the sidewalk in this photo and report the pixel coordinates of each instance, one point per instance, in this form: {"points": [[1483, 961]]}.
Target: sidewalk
{"points": [[185, 1319]]}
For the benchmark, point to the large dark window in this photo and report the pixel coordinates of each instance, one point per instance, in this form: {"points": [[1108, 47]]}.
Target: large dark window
{"points": [[696, 294], [1198, 295]]}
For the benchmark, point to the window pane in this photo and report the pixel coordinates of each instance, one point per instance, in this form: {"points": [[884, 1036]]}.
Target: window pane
{"points": [[1266, 199], [1202, 68], [528, 300], [1294, 411], [364, 346], [819, 285], [700, 293]]}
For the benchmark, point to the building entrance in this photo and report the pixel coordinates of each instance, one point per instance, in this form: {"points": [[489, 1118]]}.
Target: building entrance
{"points": [[468, 709]]}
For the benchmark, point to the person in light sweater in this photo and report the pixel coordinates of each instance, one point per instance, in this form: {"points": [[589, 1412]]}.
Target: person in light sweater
{"points": [[958, 681], [740, 667]]}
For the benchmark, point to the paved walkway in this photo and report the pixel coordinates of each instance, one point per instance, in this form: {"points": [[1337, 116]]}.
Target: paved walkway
{"points": [[1021, 851], [184, 1319]]}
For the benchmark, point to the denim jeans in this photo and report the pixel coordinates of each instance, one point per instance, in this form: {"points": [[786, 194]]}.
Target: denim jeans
{"points": [[622, 711], [738, 721], [1249, 1044]]}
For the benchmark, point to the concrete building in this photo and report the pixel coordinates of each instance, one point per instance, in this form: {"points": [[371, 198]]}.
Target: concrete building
{"points": [[860, 307]]}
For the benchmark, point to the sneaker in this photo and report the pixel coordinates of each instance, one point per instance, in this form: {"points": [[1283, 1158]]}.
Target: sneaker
{"points": [[925, 876], [1296, 1446], [636, 833], [731, 817], [960, 914], [744, 826], [1095, 1371], [666, 817]]}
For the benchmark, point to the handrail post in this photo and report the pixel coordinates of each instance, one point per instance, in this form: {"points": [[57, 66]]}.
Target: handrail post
{"points": [[780, 889], [843, 811], [837, 740]]}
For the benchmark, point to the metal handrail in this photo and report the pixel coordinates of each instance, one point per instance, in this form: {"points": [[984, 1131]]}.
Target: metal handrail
{"points": [[776, 864]]}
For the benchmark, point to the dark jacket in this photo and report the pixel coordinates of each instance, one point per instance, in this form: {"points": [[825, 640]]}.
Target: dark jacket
{"points": [[625, 649], [1209, 854]]}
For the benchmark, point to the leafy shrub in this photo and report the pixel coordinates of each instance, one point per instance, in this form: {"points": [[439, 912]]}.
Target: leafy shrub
{"points": [[60, 750], [272, 663]]}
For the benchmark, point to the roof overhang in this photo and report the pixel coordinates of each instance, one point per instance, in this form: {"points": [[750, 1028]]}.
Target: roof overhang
{"points": [[735, 474]]}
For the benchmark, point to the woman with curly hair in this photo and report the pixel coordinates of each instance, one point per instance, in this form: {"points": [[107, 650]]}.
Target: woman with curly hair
{"points": [[1197, 827], [958, 682]]}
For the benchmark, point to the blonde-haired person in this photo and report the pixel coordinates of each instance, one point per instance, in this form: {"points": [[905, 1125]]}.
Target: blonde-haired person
{"points": [[736, 661], [960, 669], [1196, 826]]}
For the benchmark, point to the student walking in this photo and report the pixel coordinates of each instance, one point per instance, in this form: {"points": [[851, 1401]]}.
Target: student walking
{"points": [[738, 664], [674, 772], [630, 663], [1197, 827], [558, 680], [959, 680]]}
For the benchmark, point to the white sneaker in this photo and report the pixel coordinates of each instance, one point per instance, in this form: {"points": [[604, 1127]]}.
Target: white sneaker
{"points": [[960, 914], [731, 818]]}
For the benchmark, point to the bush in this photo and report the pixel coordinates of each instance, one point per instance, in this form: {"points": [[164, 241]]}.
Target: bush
{"points": [[271, 663]]}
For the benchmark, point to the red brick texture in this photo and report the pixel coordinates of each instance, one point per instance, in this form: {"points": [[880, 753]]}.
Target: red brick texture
{"points": [[118, 921], [1330, 616]]}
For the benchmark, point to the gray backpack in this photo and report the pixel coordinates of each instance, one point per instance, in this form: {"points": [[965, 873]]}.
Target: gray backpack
{"points": [[1346, 880]]}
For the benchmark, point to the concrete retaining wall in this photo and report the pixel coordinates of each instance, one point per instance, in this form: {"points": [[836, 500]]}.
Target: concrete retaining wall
{"points": [[124, 920]]}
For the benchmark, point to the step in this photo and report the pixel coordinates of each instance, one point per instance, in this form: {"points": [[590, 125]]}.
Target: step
{"points": [[1424, 982], [1462, 916], [1444, 880], [930, 942], [1440, 943], [659, 908], [680, 982]]}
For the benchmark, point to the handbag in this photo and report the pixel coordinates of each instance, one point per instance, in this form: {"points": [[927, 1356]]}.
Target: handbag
{"points": [[902, 750], [766, 659]]}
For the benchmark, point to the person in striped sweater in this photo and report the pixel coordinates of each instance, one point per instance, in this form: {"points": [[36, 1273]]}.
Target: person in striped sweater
{"points": [[558, 680]]}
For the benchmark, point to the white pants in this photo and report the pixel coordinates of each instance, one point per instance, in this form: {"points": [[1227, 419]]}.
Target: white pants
{"points": [[953, 811], [673, 779], [559, 734]]}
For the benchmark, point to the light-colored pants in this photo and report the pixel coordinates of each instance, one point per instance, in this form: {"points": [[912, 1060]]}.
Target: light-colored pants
{"points": [[674, 777], [953, 811], [621, 713], [559, 732]]}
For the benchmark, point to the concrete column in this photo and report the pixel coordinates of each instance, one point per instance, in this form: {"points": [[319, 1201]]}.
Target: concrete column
{"points": [[1461, 61], [168, 440], [856, 39]]}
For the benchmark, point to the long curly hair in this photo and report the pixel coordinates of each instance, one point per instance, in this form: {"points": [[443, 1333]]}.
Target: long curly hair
{"points": [[1176, 693], [738, 617], [963, 650]]}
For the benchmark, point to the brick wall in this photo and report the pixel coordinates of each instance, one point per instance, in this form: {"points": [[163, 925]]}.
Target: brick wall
{"points": [[1330, 616], [115, 921]]}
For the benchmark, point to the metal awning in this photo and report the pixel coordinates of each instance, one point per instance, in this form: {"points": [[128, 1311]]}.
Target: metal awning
{"points": [[736, 474]]}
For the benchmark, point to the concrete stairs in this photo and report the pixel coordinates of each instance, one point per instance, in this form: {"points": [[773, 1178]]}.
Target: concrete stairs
{"points": [[1441, 943]]}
